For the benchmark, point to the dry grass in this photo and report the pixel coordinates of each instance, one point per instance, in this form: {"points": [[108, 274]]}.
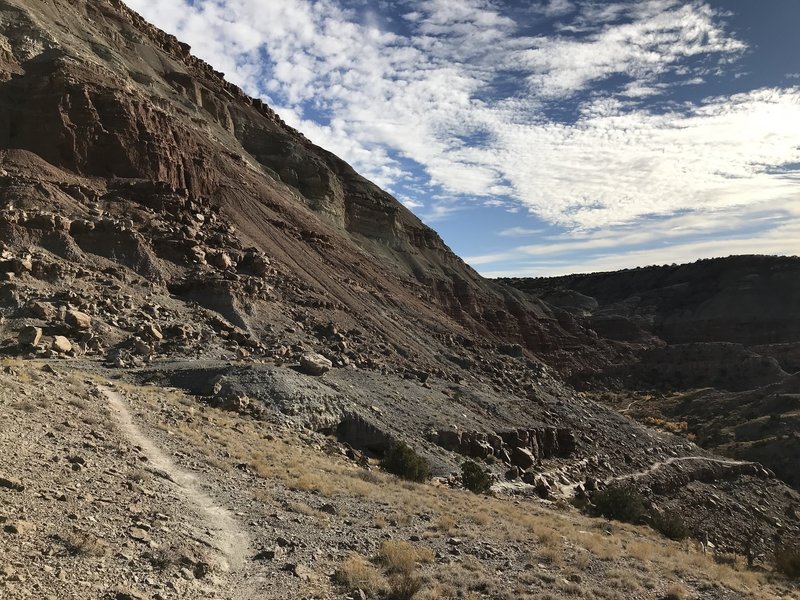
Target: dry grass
{"points": [[355, 572], [445, 523], [676, 592], [398, 556]]}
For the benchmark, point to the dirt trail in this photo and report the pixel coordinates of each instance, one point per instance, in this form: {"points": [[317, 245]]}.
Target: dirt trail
{"points": [[656, 466], [227, 536], [569, 490]]}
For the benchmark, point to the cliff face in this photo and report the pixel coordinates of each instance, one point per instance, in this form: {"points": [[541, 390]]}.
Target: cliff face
{"points": [[697, 320], [159, 227], [92, 89], [716, 340]]}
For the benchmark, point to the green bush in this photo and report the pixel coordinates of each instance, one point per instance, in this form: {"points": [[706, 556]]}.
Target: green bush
{"points": [[621, 503], [401, 460], [787, 560], [474, 478], [670, 524]]}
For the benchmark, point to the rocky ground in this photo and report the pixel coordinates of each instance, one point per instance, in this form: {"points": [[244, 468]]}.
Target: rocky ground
{"points": [[142, 492]]}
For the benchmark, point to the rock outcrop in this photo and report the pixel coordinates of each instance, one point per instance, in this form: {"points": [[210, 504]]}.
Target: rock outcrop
{"points": [[716, 341]]}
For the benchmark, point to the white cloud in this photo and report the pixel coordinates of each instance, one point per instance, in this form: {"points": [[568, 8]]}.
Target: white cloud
{"points": [[435, 101], [660, 36], [558, 8], [770, 228]]}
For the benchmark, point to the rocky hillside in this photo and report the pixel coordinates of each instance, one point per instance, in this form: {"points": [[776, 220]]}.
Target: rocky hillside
{"points": [[91, 89], [715, 341], [215, 330]]}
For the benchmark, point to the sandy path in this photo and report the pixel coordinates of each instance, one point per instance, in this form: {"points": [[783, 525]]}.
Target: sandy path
{"points": [[227, 536], [656, 466], [569, 490]]}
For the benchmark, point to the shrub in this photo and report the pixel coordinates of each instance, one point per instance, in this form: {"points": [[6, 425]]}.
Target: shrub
{"points": [[676, 592], [475, 479], [404, 587], [356, 573], [621, 503], [398, 556], [670, 524], [401, 460], [787, 560]]}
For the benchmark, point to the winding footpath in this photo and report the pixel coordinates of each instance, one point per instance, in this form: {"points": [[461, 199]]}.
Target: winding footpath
{"points": [[227, 535], [569, 490]]}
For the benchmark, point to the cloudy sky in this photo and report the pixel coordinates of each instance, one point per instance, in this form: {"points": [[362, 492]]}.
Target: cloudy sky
{"points": [[539, 137]]}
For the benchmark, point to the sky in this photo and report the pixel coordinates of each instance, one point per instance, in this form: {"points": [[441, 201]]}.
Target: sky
{"points": [[541, 137]]}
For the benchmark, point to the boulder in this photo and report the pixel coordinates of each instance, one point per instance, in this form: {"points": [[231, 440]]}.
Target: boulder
{"points": [[153, 333], [495, 441], [449, 439], [312, 363], [198, 255], [221, 260], [29, 336], [43, 310], [522, 458], [78, 320], [480, 449], [261, 266], [141, 347], [61, 344]]}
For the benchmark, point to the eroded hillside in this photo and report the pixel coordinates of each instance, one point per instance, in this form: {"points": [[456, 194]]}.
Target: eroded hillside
{"points": [[214, 330], [710, 348]]}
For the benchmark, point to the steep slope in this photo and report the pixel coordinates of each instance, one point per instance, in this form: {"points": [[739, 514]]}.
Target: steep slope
{"points": [[104, 95], [160, 227]]}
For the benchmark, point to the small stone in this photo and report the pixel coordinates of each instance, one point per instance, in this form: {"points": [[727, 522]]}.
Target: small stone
{"points": [[61, 344], [12, 484], [139, 534], [267, 554], [78, 320], [19, 527], [329, 509], [127, 594]]}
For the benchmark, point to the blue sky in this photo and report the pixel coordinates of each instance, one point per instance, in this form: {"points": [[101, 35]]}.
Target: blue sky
{"points": [[540, 137]]}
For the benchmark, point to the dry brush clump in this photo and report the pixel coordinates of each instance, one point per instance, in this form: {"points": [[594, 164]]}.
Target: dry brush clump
{"points": [[356, 572], [787, 560], [396, 580]]}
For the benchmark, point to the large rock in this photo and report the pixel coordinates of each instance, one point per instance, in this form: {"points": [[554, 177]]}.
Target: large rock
{"points": [[29, 336], [522, 458], [78, 320], [43, 310], [61, 344], [221, 260], [449, 439], [312, 363]]}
